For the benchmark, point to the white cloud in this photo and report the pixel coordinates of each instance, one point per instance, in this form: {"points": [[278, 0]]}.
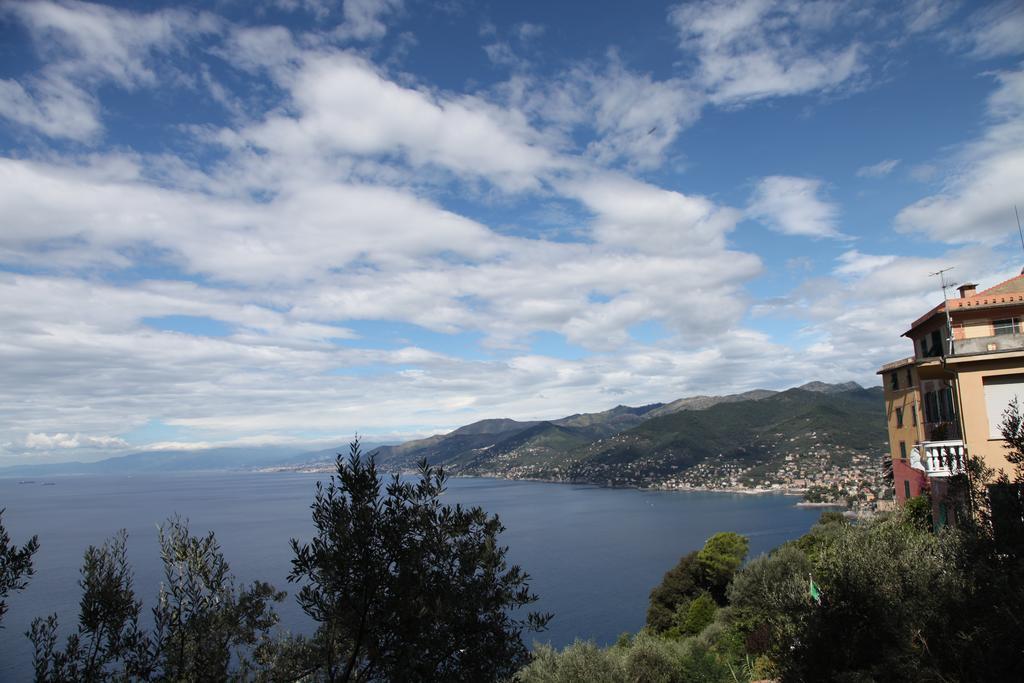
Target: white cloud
{"points": [[62, 440], [627, 117], [637, 216], [986, 179], [996, 30], [346, 106], [879, 170], [364, 19], [55, 107], [853, 317], [85, 45], [304, 231], [753, 49], [325, 208], [855, 263], [637, 117], [792, 206], [927, 15]]}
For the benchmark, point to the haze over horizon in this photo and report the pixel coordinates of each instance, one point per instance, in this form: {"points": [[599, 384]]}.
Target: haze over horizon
{"points": [[285, 221]]}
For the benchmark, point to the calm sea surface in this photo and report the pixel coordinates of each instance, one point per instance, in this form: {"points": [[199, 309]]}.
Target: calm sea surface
{"points": [[593, 553]]}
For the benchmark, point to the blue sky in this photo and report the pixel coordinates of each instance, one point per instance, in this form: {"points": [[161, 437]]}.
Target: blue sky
{"points": [[282, 222]]}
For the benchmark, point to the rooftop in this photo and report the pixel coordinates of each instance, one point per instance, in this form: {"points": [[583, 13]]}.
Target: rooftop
{"points": [[1007, 293]]}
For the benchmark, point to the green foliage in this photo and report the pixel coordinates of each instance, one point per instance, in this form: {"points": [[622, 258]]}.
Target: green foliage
{"points": [[829, 527], [824, 494], [204, 623], [108, 644], [581, 661], [918, 512], [205, 627], [719, 559], [404, 588], [677, 586], [15, 565], [697, 615], [741, 432], [645, 659], [1012, 430], [889, 592], [770, 600], [706, 572]]}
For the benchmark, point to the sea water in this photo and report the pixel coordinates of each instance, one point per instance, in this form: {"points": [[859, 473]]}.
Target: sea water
{"points": [[593, 554]]}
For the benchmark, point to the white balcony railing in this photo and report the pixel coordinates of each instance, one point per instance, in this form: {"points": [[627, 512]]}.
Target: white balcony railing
{"points": [[944, 458]]}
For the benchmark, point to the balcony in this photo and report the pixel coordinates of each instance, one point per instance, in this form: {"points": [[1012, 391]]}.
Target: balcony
{"points": [[944, 458], [993, 344]]}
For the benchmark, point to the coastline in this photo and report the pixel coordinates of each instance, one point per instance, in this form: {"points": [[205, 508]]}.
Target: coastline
{"points": [[328, 468]]}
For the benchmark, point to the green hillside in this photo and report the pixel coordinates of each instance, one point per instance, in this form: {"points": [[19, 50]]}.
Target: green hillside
{"points": [[746, 434], [734, 441]]}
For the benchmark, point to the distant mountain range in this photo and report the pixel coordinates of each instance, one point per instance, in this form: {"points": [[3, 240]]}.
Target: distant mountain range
{"points": [[749, 432], [206, 459]]}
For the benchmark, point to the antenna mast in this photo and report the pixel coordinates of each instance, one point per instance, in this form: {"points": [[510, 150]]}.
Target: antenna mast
{"points": [[1019, 231], [945, 301]]}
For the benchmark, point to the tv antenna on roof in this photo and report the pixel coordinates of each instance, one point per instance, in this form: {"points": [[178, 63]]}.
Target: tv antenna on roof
{"points": [[945, 302], [1019, 231]]}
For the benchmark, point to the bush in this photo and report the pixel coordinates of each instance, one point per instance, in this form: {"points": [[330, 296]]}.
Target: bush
{"points": [[918, 512], [646, 659], [581, 661], [890, 592]]}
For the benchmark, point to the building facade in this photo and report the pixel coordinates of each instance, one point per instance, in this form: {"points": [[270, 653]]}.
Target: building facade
{"points": [[947, 400]]}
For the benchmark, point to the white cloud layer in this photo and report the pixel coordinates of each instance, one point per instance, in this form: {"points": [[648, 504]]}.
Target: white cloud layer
{"points": [[84, 46], [344, 196], [879, 170], [977, 199], [793, 206], [752, 49]]}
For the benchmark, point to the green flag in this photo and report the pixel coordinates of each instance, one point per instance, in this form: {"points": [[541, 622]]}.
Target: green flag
{"points": [[814, 590]]}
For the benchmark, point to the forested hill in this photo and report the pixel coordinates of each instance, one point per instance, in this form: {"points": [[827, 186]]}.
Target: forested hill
{"points": [[723, 442]]}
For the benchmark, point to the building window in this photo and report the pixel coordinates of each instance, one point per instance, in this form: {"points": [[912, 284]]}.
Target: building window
{"points": [[894, 381], [899, 417], [903, 450], [931, 345], [906, 489], [1007, 326], [910, 377], [931, 407], [946, 406], [1000, 392], [913, 415]]}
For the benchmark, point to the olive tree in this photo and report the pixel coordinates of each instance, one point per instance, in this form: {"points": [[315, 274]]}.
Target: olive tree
{"points": [[15, 565], [405, 588]]}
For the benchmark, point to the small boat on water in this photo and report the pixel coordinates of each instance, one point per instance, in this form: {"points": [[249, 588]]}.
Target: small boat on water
{"points": [[27, 481]]}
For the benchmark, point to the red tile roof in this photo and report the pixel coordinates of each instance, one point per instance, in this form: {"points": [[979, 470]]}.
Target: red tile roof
{"points": [[1005, 293]]}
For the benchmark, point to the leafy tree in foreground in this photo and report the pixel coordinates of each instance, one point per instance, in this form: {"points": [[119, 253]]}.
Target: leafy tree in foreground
{"points": [[719, 559], [108, 644], [15, 565], [705, 572], [205, 627], [893, 603], [407, 589], [204, 623]]}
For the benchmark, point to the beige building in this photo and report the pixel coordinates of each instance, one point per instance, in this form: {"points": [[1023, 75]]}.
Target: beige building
{"points": [[947, 399]]}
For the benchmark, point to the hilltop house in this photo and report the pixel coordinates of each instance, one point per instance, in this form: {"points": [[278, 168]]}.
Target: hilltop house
{"points": [[947, 400]]}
